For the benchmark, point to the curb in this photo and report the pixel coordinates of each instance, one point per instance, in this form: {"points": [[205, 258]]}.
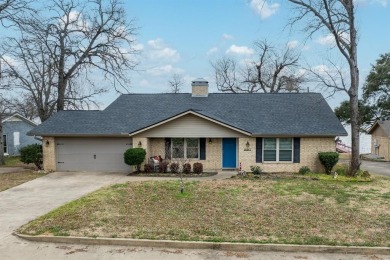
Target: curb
{"points": [[208, 245]]}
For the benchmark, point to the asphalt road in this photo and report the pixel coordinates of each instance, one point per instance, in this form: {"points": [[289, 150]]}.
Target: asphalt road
{"points": [[381, 168]]}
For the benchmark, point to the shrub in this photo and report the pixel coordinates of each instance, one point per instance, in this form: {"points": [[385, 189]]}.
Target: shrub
{"points": [[256, 170], [186, 168], [198, 168], [304, 170], [135, 156], [328, 160], [342, 169], [148, 168], [174, 167], [32, 154], [163, 167]]}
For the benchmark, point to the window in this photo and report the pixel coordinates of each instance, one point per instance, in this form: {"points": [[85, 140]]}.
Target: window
{"points": [[185, 148], [5, 145], [278, 149], [16, 138]]}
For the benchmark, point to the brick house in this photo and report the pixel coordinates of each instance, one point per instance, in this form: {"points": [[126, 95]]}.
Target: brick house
{"points": [[279, 132], [380, 139]]}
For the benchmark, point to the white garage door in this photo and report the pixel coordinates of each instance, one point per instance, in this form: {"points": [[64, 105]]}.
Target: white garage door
{"points": [[92, 154]]}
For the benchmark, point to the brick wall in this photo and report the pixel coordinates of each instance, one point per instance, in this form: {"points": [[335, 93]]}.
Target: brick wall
{"points": [[49, 154], [310, 147]]}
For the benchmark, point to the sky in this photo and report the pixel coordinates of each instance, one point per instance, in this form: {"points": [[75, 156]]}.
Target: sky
{"points": [[183, 37]]}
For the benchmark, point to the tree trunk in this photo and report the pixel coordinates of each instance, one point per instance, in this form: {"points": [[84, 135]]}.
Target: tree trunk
{"points": [[354, 102], [61, 94], [2, 162], [353, 91]]}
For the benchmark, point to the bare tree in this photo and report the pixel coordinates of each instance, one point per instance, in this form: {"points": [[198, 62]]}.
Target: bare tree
{"points": [[337, 17], [83, 38], [175, 83], [274, 71], [24, 106], [11, 9], [9, 12]]}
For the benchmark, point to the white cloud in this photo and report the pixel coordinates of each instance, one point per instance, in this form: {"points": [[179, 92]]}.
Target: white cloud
{"points": [[138, 47], [11, 61], [292, 44], [330, 40], [326, 40], [212, 51], [322, 68], [164, 70], [156, 43], [240, 50], [372, 2], [264, 9], [226, 36], [160, 51]]}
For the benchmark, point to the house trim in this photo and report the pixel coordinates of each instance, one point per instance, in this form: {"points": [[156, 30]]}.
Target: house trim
{"points": [[187, 113], [20, 117]]}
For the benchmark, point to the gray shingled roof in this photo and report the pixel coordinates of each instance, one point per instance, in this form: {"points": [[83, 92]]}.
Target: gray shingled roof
{"points": [[297, 114]]}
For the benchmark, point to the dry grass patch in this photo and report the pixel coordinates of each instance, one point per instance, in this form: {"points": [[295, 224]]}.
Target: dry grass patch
{"points": [[9, 180], [281, 210]]}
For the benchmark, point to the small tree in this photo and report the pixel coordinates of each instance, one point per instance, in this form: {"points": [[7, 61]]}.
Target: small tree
{"points": [[32, 154], [328, 160], [135, 156]]}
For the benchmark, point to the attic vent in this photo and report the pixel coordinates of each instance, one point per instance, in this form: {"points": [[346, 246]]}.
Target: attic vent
{"points": [[200, 87]]}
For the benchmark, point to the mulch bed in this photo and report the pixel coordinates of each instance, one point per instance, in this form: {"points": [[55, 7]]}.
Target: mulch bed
{"points": [[168, 174]]}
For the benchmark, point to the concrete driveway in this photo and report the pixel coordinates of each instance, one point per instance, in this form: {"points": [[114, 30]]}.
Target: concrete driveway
{"points": [[23, 203], [34, 198], [381, 168]]}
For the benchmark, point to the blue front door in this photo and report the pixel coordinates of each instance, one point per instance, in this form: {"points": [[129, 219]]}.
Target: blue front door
{"points": [[229, 153]]}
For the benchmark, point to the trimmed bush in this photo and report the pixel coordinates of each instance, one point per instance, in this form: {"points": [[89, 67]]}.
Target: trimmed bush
{"points": [[328, 160], [174, 167], [32, 154], [186, 168], [148, 168], [256, 170], [135, 156], [163, 167], [304, 170], [198, 168]]}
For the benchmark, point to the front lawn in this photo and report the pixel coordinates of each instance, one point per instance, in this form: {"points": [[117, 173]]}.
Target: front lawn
{"points": [[9, 180], [294, 210]]}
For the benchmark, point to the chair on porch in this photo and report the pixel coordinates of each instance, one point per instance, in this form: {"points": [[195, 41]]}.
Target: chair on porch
{"points": [[155, 162]]}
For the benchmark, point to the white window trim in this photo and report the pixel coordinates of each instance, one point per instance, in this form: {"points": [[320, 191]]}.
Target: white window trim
{"points": [[185, 148], [277, 150]]}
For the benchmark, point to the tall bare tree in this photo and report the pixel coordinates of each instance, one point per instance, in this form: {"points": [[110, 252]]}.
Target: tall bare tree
{"points": [[175, 83], [11, 9], [337, 17], [274, 71], [81, 39]]}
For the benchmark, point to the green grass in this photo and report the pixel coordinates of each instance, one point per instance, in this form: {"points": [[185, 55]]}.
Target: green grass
{"points": [[12, 161], [296, 209], [9, 180]]}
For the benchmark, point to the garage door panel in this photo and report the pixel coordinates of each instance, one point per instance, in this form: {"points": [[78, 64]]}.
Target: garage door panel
{"points": [[92, 154]]}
